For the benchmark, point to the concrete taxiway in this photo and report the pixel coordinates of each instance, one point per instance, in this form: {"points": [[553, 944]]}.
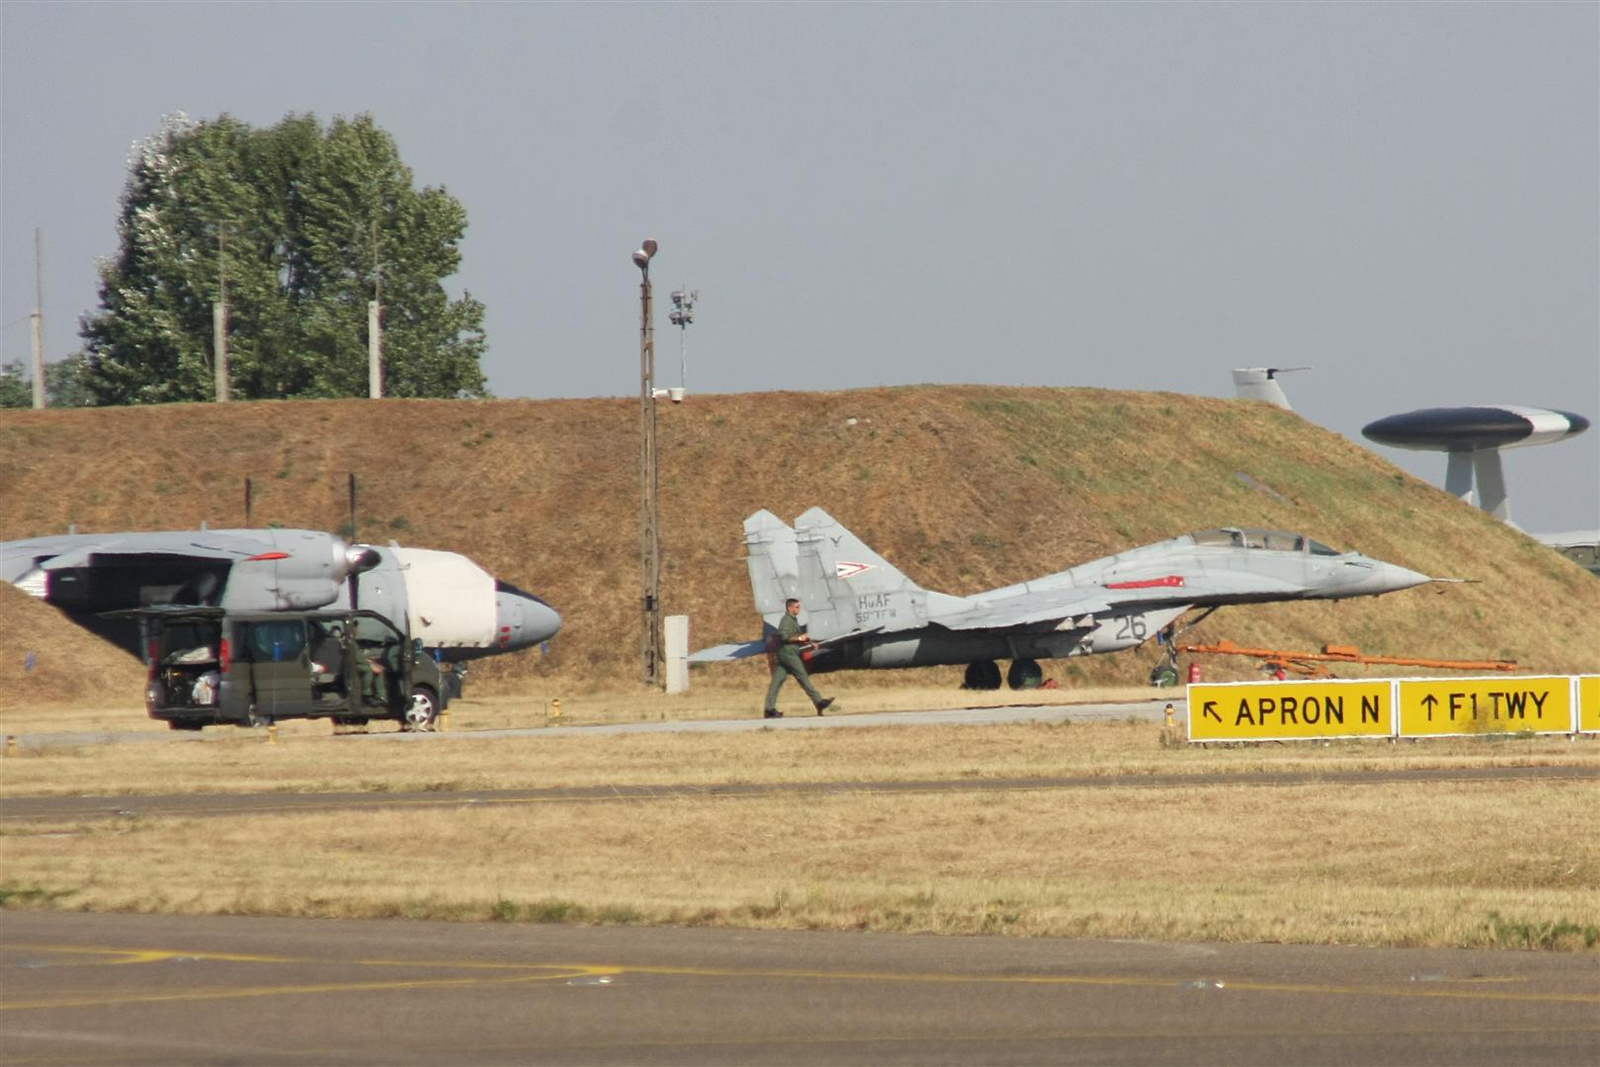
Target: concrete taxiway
{"points": [[144, 989], [1144, 711]]}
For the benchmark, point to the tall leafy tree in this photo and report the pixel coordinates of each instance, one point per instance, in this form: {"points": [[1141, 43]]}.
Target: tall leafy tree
{"points": [[306, 225]]}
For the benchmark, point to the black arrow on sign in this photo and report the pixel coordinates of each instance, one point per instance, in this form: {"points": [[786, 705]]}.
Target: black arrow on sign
{"points": [[1430, 702]]}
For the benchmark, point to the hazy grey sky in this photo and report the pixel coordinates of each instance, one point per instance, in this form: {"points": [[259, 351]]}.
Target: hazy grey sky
{"points": [[1134, 196]]}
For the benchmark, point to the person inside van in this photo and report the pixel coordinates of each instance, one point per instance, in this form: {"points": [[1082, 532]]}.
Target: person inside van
{"points": [[327, 658]]}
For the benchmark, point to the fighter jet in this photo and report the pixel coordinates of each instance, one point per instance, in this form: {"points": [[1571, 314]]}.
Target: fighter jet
{"points": [[863, 613], [452, 605]]}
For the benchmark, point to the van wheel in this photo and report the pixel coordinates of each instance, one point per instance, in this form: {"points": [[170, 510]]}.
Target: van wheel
{"points": [[423, 711], [184, 724]]}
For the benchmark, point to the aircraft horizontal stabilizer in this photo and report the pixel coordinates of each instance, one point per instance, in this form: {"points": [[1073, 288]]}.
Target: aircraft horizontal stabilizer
{"points": [[729, 653]]}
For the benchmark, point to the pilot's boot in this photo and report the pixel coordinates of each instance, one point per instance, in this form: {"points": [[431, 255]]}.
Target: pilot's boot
{"points": [[824, 704]]}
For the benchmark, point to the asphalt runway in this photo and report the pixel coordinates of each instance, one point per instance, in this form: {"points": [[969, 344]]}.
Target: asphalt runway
{"points": [[16, 812], [147, 989]]}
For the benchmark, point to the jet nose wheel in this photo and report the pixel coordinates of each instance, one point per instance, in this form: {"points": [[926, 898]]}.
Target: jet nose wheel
{"points": [[423, 711]]}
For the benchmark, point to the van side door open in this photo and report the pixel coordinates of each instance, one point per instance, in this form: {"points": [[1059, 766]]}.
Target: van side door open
{"points": [[274, 652]]}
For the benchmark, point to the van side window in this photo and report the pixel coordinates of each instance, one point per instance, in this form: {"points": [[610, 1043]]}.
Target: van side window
{"points": [[273, 642]]}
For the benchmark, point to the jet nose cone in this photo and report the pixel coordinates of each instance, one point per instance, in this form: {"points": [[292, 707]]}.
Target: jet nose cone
{"points": [[522, 621], [1388, 578]]}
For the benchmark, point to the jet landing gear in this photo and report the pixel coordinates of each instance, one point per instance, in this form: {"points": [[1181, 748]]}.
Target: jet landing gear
{"points": [[985, 674], [1025, 674]]}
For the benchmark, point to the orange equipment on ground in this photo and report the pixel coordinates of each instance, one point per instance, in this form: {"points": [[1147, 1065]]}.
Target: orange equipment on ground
{"points": [[1310, 664]]}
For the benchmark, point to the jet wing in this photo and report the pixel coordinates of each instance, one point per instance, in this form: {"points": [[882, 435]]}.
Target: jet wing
{"points": [[1046, 605]]}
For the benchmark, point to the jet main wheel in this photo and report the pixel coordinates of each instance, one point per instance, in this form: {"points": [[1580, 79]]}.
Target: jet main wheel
{"points": [[1024, 674], [1164, 674], [423, 710], [984, 674]]}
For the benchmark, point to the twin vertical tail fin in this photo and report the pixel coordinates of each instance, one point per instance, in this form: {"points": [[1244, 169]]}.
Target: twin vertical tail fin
{"points": [[846, 587], [774, 571], [843, 586]]}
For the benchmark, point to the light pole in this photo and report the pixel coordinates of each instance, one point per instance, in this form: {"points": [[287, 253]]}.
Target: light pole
{"points": [[649, 477]]}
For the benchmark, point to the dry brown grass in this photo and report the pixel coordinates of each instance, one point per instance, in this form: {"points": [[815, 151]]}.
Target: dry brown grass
{"points": [[1438, 864], [964, 487], [71, 667], [308, 762]]}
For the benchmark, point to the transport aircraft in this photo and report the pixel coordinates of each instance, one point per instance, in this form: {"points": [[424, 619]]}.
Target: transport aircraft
{"points": [[455, 607], [863, 613]]}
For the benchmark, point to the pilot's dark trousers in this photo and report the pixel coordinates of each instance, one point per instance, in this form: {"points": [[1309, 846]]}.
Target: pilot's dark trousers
{"points": [[781, 669]]}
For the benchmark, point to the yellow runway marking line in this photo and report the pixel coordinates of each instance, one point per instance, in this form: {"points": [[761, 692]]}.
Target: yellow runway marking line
{"points": [[243, 992], [559, 971]]}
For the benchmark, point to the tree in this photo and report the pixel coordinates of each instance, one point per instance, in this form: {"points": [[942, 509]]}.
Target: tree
{"points": [[306, 225], [63, 384], [15, 389]]}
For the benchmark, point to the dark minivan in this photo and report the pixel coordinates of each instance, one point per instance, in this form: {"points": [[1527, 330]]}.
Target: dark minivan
{"points": [[211, 667]]}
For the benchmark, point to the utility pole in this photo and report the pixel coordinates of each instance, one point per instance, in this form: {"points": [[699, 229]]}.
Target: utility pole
{"points": [[375, 325], [38, 318], [219, 318], [649, 480]]}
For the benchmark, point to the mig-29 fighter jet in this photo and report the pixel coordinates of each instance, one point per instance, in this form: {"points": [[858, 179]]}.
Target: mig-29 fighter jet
{"points": [[863, 613], [452, 605]]}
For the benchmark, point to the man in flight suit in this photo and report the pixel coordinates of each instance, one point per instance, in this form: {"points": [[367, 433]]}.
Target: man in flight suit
{"points": [[787, 661]]}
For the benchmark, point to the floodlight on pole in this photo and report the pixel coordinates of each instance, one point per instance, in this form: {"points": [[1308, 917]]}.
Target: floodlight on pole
{"points": [[683, 301], [649, 478]]}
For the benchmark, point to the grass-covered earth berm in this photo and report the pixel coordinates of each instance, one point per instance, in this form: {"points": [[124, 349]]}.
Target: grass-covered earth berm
{"points": [[963, 487]]}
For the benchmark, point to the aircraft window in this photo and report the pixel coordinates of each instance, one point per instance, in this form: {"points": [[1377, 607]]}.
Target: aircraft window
{"points": [[274, 642], [1320, 549], [1278, 541], [1223, 538]]}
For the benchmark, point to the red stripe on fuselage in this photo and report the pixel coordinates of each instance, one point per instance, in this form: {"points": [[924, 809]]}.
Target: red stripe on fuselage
{"points": [[1171, 581]]}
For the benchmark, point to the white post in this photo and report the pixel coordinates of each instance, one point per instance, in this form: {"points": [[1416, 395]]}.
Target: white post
{"points": [[374, 351], [677, 652], [219, 348]]}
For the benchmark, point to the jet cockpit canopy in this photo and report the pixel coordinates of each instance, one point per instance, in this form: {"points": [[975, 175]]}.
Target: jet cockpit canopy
{"points": [[1271, 540]]}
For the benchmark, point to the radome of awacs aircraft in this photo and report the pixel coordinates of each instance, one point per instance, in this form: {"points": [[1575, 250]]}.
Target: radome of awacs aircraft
{"points": [[980, 496]]}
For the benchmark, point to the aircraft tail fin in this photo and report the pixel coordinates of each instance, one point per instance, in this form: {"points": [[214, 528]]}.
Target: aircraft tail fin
{"points": [[846, 587], [771, 559]]}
